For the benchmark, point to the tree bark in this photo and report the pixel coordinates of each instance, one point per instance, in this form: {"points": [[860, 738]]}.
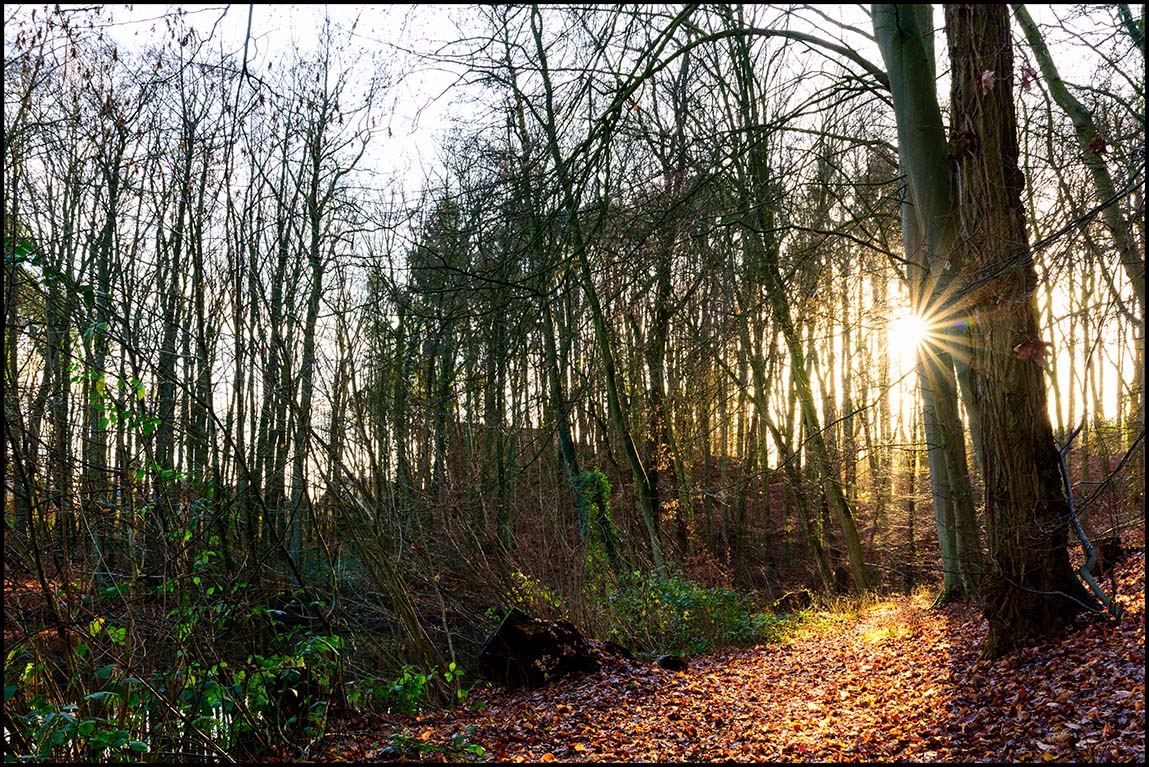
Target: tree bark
{"points": [[1030, 590], [905, 36]]}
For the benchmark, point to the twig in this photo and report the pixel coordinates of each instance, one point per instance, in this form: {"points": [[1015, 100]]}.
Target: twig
{"points": [[1086, 570]]}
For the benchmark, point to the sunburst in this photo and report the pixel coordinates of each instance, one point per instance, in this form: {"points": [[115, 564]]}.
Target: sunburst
{"points": [[906, 333]]}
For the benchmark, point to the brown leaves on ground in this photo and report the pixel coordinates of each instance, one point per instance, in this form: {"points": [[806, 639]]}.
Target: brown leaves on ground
{"points": [[897, 682]]}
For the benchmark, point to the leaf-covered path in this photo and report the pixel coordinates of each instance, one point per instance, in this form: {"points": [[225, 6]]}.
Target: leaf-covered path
{"points": [[894, 682]]}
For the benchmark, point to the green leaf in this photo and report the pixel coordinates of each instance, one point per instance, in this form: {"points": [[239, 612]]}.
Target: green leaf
{"points": [[101, 695], [17, 250], [88, 293]]}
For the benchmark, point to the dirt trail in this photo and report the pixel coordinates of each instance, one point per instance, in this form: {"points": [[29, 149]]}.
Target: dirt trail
{"points": [[894, 682]]}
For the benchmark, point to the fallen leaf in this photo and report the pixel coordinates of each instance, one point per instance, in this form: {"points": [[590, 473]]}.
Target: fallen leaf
{"points": [[832, 697]]}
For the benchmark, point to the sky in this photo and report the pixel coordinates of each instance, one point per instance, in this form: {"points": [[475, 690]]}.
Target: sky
{"points": [[420, 105], [415, 108]]}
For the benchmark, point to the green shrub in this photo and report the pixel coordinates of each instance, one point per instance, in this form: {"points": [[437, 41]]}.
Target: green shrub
{"points": [[595, 520], [533, 596], [411, 692], [671, 614]]}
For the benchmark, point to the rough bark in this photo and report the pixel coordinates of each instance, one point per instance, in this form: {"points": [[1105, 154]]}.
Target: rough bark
{"points": [[1030, 590]]}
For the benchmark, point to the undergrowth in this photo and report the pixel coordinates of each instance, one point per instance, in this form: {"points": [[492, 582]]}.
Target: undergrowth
{"points": [[669, 613]]}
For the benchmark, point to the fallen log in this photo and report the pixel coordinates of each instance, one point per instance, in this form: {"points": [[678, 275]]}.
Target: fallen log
{"points": [[530, 652]]}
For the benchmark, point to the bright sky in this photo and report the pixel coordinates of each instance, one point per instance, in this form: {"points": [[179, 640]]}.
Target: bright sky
{"points": [[418, 108], [415, 109]]}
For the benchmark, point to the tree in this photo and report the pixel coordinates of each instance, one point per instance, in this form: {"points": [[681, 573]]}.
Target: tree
{"points": [[1030, 589], [1092, 146], [905, 38], [569, 185], [1100, 146], [978, 236]]}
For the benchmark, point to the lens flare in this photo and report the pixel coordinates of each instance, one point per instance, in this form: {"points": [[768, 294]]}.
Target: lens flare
{"points": [[906, 333]]}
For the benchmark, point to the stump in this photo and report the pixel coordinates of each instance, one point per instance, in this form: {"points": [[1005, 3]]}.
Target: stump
{"points": [[1109, 553], [529, 652]]}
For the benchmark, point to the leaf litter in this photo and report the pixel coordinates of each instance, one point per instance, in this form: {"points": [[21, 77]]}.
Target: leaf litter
{"points": [[895, 682]]}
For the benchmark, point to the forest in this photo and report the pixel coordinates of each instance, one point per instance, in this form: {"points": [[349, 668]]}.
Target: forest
{"points": [[752, 382]]}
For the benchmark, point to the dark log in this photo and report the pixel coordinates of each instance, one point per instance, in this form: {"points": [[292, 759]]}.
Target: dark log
{"points": [[530, 652], [673, 662]]}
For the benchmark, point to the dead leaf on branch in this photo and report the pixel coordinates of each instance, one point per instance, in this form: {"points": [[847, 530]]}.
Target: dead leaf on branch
{"points": [[1028, 76], [1033, 350], [986, 82]]}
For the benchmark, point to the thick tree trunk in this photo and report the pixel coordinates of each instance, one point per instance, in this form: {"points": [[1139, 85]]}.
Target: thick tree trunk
{"points": [[1030, 590]]}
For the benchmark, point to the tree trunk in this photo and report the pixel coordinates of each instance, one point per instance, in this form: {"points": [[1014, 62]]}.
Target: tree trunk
{"points": [[907, 46], [1030, 590]]}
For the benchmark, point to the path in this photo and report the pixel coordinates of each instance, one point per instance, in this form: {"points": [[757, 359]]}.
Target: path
{"points": [[894, 682]]}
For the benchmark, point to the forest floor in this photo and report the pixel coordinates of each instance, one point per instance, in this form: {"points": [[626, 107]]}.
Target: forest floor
{"points": [[893, 681]]}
